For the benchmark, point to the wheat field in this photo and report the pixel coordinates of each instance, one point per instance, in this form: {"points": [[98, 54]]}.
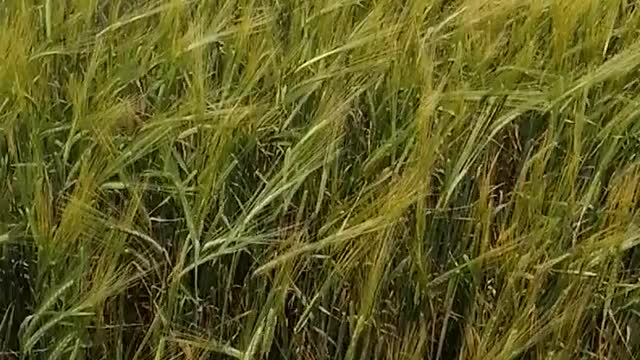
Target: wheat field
{"points": [[319, 179]]}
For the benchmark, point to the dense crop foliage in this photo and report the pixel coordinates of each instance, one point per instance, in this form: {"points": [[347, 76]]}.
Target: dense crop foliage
{"points": [[319, 179]]}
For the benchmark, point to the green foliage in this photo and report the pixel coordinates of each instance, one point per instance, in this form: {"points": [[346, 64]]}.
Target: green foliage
{"points": [[285, 179]]}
